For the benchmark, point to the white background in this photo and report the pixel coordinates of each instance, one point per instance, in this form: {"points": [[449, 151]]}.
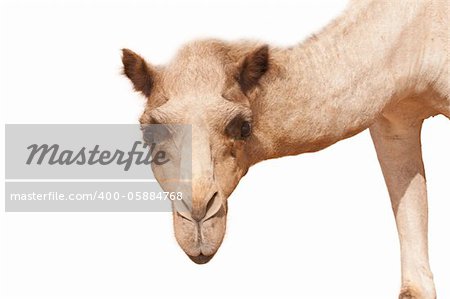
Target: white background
{"points": [[311, 226]]}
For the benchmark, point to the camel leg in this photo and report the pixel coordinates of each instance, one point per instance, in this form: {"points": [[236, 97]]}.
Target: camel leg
{"points": [[398, 147]]}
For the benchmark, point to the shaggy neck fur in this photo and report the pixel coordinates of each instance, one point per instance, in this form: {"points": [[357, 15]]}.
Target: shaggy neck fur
{"points": [[335, 84]]}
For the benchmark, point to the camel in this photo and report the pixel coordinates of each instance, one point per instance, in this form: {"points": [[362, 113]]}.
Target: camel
{"points": [[382, 65]]}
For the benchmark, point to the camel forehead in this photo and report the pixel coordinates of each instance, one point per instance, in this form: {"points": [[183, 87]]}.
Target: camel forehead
{"points": [[197, 52], [197, 67], [194, 109]]}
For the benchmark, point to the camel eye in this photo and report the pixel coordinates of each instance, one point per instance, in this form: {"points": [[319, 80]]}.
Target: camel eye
{"points": [[246, 129], [239, 128]]}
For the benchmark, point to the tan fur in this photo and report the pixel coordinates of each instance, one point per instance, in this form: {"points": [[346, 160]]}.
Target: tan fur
{"points": [[383, 65]]}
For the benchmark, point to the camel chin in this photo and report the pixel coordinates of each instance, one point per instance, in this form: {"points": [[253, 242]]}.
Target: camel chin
{"points": [[201, 259]]}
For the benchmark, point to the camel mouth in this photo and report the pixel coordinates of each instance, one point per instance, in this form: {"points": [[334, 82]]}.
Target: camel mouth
{"points": [[201, 258]]}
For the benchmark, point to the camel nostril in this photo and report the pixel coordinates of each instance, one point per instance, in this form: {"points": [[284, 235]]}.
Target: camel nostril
{"points": [[206, 210], [210, 202], [213, 206], [183, 216]]}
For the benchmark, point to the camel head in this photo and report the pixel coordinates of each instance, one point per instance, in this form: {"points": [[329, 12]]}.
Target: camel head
{"points": [[209, 85]]}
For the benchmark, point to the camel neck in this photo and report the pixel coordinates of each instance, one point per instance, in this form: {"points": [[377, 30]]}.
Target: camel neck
{"points": [[332, 86]]}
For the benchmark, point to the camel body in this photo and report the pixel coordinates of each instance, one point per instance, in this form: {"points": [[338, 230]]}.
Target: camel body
{"points": [[382, 65]]}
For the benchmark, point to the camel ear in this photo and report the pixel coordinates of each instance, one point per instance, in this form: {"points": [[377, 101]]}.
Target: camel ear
{"points": [[254, 66], [138, 71]]}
